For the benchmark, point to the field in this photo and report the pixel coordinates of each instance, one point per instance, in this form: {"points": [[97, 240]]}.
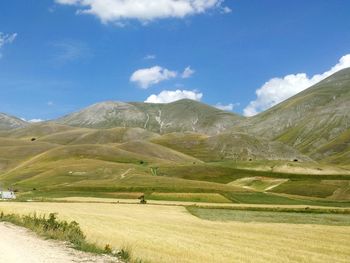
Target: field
{"points": [[66, 161], [162, 233], [204, 203], [270, 216]]}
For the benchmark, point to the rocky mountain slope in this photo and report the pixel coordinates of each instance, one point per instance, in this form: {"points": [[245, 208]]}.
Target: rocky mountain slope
{"points": [[8, 122], [179, 116]]}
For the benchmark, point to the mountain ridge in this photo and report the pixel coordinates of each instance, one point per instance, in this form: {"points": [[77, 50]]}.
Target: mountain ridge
{"points": [[310, 119], [179, 116], [8, 122], [315, 122]]}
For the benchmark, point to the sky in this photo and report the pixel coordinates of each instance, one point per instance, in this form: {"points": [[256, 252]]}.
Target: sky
{"points": [[244, 56]]}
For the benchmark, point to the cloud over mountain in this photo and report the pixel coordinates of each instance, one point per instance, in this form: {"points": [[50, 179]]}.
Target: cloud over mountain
{"points": [[277, 90], [167, 96]]}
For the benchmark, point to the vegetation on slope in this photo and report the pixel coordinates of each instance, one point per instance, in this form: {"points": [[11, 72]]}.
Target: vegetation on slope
{"points": [[189, 147], [228, 146], [310, 119]]}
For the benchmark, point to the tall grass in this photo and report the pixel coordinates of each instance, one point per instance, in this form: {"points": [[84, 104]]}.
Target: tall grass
{"points": [[60, 230]]}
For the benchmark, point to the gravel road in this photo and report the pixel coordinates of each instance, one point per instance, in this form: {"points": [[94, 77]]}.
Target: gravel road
{"points": [[19, 245]]}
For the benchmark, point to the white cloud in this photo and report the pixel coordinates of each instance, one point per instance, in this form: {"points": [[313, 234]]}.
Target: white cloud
{"points": [[167, 96], [35, 120], [32, 120], [151, 76], [50, 103], [188, 72], [277, 90], [143, 10], [150, 57], [228, 107], [226, 10], [6, 39]]}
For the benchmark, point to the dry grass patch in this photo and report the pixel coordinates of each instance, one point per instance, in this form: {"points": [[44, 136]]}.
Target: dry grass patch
{"points": [[258, 183], [171, 234]]}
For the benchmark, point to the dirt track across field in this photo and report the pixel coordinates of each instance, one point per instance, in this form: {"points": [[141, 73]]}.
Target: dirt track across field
{"points": [[19, 245]]}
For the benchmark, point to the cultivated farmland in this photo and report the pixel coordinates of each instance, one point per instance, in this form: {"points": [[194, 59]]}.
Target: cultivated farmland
{"points": [[162, 233]]}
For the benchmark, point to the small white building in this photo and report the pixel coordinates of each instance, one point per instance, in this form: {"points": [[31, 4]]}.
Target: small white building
{"points": [[7, 195]]}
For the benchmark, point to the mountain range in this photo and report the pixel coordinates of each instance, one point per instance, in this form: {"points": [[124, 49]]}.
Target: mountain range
{"points": [[187, 146], [180, 116], [315, 122]]}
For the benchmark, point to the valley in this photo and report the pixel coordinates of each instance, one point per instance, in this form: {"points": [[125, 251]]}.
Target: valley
{"points": [[281, 176]]}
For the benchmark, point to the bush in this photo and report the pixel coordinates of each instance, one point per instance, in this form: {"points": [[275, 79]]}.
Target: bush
{"points": [[52, 228], [62, 230]]}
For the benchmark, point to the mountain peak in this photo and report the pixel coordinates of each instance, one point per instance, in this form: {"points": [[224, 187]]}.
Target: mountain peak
{"points": [[182, 115], [8, 122]]}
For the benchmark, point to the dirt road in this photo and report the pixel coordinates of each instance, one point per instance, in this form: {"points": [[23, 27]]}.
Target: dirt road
{"points": [[19, 245]]}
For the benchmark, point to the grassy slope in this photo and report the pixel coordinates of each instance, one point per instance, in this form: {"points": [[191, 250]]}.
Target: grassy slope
{"points": [[312, 118], [88, 162], [336, 151], [228, 146]]}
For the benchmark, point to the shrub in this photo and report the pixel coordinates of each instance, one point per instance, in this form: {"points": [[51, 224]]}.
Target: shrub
{"points": [[125, 254], [52, 228], [108, 249], [62, 230]]}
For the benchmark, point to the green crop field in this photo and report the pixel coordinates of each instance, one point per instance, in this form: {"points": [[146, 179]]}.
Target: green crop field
{"points": [[271, 217]]}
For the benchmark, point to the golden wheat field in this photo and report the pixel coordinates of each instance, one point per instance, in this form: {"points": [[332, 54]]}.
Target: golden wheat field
{"points": [[171, 234]]}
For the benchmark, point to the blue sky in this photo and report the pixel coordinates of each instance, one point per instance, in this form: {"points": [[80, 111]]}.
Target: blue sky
{"points": [[58, 56]]}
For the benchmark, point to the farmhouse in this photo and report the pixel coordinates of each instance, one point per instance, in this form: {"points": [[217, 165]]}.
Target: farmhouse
{"points": [[7, 195]]}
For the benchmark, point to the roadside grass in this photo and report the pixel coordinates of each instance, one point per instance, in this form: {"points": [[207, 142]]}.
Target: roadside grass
{"points": [[289, 217], [71, 232], [53, 229]]}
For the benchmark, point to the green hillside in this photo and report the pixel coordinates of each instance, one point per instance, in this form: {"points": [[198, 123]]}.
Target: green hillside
{"points": [[229, 146], [309, 120], [68, 161]]}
